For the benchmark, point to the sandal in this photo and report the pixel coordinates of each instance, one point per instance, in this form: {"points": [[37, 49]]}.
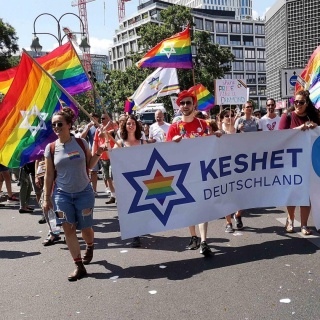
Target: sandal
{"points": [[306, 231], [51, 240], [289, 226]]}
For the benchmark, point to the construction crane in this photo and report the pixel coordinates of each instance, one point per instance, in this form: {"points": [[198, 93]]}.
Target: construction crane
{"points": [[84, 29], [121, 9]]}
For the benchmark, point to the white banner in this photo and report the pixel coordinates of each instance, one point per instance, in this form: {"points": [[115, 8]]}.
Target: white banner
{"points": [[170, 185], [230, 91]]}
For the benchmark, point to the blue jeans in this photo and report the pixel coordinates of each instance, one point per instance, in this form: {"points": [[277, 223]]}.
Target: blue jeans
{"points": [[74, 208]]}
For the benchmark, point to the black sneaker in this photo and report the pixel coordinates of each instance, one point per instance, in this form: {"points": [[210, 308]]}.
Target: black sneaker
{"points": [[194, 243], [136, 243], [238, 221], [229, 228], [42, 220], [111, 200], [204, 249]]}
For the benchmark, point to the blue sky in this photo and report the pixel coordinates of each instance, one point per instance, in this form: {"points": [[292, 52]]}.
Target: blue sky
{"points": [[102, 19]]}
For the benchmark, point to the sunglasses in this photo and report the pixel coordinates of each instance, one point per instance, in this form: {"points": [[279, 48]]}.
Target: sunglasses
{"points": [[57, 124], [270, 105], [188, 103], [226, 116], [300, 102], [102, 118]]}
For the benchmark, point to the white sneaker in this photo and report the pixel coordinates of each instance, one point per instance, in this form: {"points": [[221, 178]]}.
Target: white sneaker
{"points": [[108, 191]]}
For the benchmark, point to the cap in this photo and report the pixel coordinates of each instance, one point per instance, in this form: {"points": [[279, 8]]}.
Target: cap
{"points": [[184, 94], [256, 110]]}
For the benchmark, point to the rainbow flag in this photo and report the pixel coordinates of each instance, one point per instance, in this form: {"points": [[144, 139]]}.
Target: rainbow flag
{"points": [[174, 52], [204, 97], [128, 106], [63, 64], [25, 114], [311, 73]]}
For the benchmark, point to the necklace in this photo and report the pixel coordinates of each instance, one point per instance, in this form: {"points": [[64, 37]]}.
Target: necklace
{"points": [[63, 143]]}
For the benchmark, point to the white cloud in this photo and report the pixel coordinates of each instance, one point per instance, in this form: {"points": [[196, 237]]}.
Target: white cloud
{"points": [[100, 46], [255, 14]]}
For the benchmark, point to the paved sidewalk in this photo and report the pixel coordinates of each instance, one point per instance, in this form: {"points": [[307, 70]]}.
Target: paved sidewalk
{"points": [[248, 277]]}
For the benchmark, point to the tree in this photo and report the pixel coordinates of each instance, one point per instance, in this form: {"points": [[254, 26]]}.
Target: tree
{"points": [[8, 45], [210, 61]]}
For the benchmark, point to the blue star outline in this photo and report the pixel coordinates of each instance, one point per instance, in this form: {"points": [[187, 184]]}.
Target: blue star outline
{"points": [[163, 217]]}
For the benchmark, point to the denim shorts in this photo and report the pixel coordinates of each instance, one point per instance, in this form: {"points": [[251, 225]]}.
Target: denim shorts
{"points": [[72, 206]]}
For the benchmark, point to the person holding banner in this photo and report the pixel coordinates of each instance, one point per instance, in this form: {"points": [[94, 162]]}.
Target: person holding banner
{"points": [[131, 136], [302, 116], [191, 127], [271, 120], [67, 183]]}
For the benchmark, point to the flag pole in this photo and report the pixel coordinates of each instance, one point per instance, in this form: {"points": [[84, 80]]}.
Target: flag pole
{"points": [[70, 97], [92, 84]]}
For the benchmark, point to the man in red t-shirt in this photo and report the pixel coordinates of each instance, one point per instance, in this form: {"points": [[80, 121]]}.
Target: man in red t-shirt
{"points": [[101, 138], [191, 127]]}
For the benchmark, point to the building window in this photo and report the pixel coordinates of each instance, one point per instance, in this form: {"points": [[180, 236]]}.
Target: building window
{"points": [[247, 28], [221, 26], [251, 78], [238, 76], [262, 78], [261, 91], [259, 28], [250, 66], [223, 40], [250, 53], [260, 42], [199, 23], [248, 41], [238, 53], [261, 54], [209, 26], [253, 91], [237, 66], [261, 66], [235, 40], [227, 76], [235, 28]]}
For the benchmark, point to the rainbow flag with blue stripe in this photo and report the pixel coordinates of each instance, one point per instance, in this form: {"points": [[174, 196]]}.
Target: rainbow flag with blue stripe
{"points": [[63, 64], [174, 52], [204, 97], [26, 112]]}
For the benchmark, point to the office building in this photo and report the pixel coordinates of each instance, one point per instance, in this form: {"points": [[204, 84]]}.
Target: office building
{"points": [[292, 34], [242, 8], [245, 38]]}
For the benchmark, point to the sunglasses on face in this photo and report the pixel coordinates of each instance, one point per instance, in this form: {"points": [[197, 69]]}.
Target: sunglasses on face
{"points": [[299, 102], [270, 105], [102, 118], [227, 116], [57, 124], [188, 103]]}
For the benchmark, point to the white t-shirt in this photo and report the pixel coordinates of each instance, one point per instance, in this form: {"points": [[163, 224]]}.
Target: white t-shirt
{"points": [[267, 124], [159, 132]]}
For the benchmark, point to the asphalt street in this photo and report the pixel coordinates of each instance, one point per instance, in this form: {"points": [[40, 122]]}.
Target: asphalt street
{"points": [[260, 272]]}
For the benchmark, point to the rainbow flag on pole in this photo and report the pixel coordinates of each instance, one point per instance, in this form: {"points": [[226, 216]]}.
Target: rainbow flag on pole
{"points": [[174, 52], [63, 64], [25, 114], [204, 97]]}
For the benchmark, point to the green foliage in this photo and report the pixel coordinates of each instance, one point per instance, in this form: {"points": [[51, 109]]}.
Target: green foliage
{"points": [[8, 45], [210, 62]]}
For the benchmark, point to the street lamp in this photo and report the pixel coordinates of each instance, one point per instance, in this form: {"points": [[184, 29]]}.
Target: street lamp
{"points": [[35, 45]]}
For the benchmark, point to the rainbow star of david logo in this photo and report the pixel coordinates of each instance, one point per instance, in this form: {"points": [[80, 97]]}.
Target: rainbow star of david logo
{"points": [[159, 187]]}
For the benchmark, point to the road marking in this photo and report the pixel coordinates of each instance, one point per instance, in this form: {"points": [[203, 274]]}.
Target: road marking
{"points": [[314, 238]]}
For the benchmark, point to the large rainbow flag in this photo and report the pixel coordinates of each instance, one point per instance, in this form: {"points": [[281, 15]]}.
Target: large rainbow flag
{"points": [[204, 97], [311, 78], [63, 63], [174, 52], [25, 114]]}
